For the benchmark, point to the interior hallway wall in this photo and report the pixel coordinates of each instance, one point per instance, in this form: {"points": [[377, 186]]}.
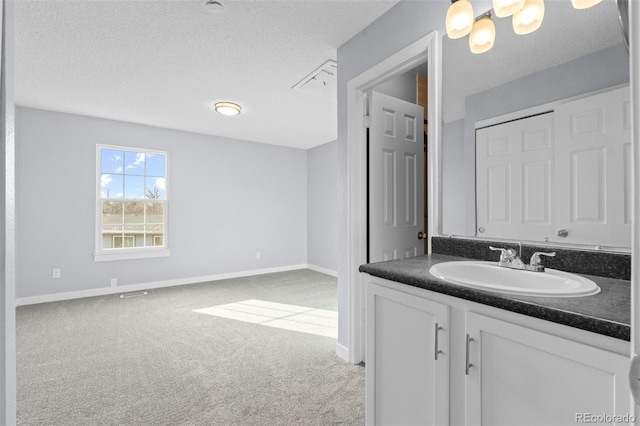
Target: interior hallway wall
{"points": [[228, 200], [322, 213]]}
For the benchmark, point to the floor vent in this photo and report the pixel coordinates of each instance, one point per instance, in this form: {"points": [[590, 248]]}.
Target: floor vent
{"points": [[137, 294]]}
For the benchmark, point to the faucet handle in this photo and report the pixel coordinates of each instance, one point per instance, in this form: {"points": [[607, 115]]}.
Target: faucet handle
{"points": [[535, 257], [506, 255]]}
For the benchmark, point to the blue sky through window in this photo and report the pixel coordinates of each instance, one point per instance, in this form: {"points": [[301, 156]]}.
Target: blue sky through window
{"points": [[131, 174]]}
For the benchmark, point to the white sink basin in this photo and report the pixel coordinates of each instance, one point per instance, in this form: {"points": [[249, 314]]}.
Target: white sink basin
{"points": [[489, 276]]}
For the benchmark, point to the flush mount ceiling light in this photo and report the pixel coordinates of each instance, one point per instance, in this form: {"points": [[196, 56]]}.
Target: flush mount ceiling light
{"points": [[459, 19], [529, 18], [502, 8], [228, 108], [482, 35]]}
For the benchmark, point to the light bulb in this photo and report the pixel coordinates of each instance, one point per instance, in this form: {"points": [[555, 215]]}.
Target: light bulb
{"points": [[584, 4], [529, 18], [482, 35], [502, 8], [459, 19]]}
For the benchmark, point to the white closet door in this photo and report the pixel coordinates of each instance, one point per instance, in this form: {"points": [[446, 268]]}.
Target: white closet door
{"points": [[593, 149], [514, 179], [396, 179]]}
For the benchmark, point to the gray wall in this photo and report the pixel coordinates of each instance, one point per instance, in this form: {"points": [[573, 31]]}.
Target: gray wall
{"points": [[403, 86], [228, 199], [453, 178], [403, 24], [322, 213], [606, 68]]}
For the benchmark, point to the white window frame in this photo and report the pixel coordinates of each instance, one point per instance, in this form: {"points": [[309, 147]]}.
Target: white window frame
{"points": [[125, 253]]}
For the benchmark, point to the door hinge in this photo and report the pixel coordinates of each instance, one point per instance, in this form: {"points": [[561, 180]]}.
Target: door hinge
{"points": [[367, 121]]}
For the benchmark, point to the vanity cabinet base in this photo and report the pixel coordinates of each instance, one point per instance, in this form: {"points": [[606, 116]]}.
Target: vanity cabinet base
{"points": [[492, 367]]}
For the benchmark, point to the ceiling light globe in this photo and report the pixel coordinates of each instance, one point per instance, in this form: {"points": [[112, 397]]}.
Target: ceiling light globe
{"points": [[529, 18], [502, 8], [228, 108], [459, 19], [584, 4], [482, 35]]}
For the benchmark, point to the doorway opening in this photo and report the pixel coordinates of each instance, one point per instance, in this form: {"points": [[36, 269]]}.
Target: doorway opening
{"points": [[397, 134], [425, 50]]}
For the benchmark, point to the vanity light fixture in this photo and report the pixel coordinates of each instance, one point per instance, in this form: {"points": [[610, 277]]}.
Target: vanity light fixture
{"points": [[228, 108], [459, 19], [529, 18], [483, 34], [503, 8], [584, 4]]}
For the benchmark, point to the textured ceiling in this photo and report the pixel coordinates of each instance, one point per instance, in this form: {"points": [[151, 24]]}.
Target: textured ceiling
{"points": [[565, 34], [165, 63]]}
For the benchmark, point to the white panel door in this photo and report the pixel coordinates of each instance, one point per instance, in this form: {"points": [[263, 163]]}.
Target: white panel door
{"points": [[514, 178], [515, 371], [593, 149], [396, 179]]}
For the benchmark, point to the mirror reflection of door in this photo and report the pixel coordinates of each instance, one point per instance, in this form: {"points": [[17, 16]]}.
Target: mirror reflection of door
{"points": [[560, 176]]}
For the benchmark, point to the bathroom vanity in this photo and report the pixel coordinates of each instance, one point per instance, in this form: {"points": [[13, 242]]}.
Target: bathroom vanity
{"points": [[441, 353]]}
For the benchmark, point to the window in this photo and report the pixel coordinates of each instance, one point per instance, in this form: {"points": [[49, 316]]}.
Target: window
{"points": [[132, 204]]}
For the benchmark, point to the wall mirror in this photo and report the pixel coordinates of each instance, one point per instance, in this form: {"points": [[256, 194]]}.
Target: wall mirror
{"points": [[573, 54]]}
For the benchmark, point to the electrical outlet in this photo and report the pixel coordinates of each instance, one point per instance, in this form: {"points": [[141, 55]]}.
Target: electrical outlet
{"points": [[258, 255], [114, 282], [56, 273]]}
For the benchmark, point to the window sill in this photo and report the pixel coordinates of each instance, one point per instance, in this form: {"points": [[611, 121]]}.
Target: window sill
{"points": [[127, 254]]}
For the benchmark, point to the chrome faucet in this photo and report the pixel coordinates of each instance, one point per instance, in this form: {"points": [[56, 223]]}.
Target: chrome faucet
{"points": [[510, 259]]}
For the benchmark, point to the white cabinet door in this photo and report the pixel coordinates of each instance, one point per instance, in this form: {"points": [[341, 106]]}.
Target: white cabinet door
{"points": [[407, 359], [396, 179], [593, 169], [520, 376], [514, 179]]}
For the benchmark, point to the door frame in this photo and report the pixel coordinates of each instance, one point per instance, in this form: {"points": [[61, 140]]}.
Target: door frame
{"points": [[427, 49]]}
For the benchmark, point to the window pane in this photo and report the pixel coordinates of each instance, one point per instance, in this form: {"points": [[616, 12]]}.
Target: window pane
{"points": [[134, 163], [156, 165], [155, 188], [111, 217], [133, 213], [111, 186], [155, 212], [111, 161], [134, 187], [112, 208]]}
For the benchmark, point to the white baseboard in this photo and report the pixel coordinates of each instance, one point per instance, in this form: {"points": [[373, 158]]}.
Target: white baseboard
{"points": [[322, 270], [342, 352], [103, 291]]}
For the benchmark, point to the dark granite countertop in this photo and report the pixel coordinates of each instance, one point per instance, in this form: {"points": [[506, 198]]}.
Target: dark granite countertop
{"points": [[607, 313]]}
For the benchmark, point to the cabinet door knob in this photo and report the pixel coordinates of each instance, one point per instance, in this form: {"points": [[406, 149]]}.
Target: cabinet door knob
{"points": [[563, 233]]}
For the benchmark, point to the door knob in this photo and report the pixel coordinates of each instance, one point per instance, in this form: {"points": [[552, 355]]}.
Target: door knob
{"points": [[422, 235], [563, 233]]}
